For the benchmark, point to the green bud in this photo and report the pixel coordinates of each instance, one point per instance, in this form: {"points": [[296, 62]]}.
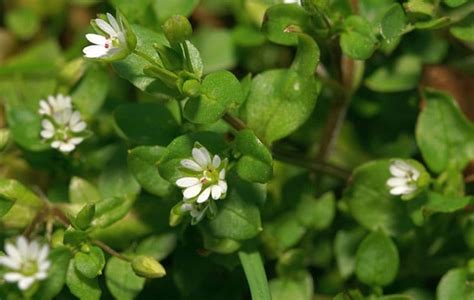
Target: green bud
{"points": [[57, 238], [148, 267], [4, 138], [177, 29], [85, 216], [176, 215], [72, 72], [191, 88], [419, 9]]}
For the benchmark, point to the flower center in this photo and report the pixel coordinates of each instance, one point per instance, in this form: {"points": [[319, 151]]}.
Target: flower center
{"points": [[210, 176], [29, 267]]}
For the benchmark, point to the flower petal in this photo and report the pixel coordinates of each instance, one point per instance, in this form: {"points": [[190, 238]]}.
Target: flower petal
{"points": [[113, 22], [223, 185], [13, 277], [56, 144], [216, 161], [10, 262], [187, 182], [43, 253], [66, 147], [192, 191], [96, 39], [396, 181], [216, 191], [222, 174], [106, 27], [191, 165], [201, 156], [76, 140], [22, 246], [94, 51], [78, 127], [25, 283], [46, 124], [204, 195], [46, 134], [401, 190]]}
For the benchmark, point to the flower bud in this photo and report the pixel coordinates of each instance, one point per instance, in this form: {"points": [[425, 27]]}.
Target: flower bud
{"points": [[4, 138], [191, 88], [148, 267], [177, 29], [85, 216]]}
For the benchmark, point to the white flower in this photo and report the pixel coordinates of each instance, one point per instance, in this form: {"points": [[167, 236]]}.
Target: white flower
{"points": [[61, 125], [110, 42], [207, 176], [404, 178], [292, 1], [55, 104], [26, 262]]}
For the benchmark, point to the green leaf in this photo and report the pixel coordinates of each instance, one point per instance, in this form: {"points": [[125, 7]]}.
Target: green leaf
{"points": [[81, 286], [370, 202], [377, 260], [455, 284], [464, 30], [316, 213], [282, 233], [90, 264], [181, 147], [220, 92], [43, 58], [135, 12], [345, 247], [143, 163], [358, 40], [443, 133], [279, 102], [256, 163], [216, 48], [117, 181], [164, 9], [14, 193], [91, 91], [158, 246], [147, 123], [297, 287], [454, 3], [23, 22], [307, 56], [255, 272], [279, 17], [82, 191], [393, 23], [25, 127], [131, 68], [446, 204], [400, 75], [121, 281], [111, 210], [51, 286], [238, 217]]}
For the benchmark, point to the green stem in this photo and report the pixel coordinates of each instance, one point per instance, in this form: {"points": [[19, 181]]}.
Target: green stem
{"points": [[110, 251], [255, 272]]}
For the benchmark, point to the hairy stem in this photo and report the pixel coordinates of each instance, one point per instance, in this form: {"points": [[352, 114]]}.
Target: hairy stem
{"points": [[293, 158], [110, 251]]}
